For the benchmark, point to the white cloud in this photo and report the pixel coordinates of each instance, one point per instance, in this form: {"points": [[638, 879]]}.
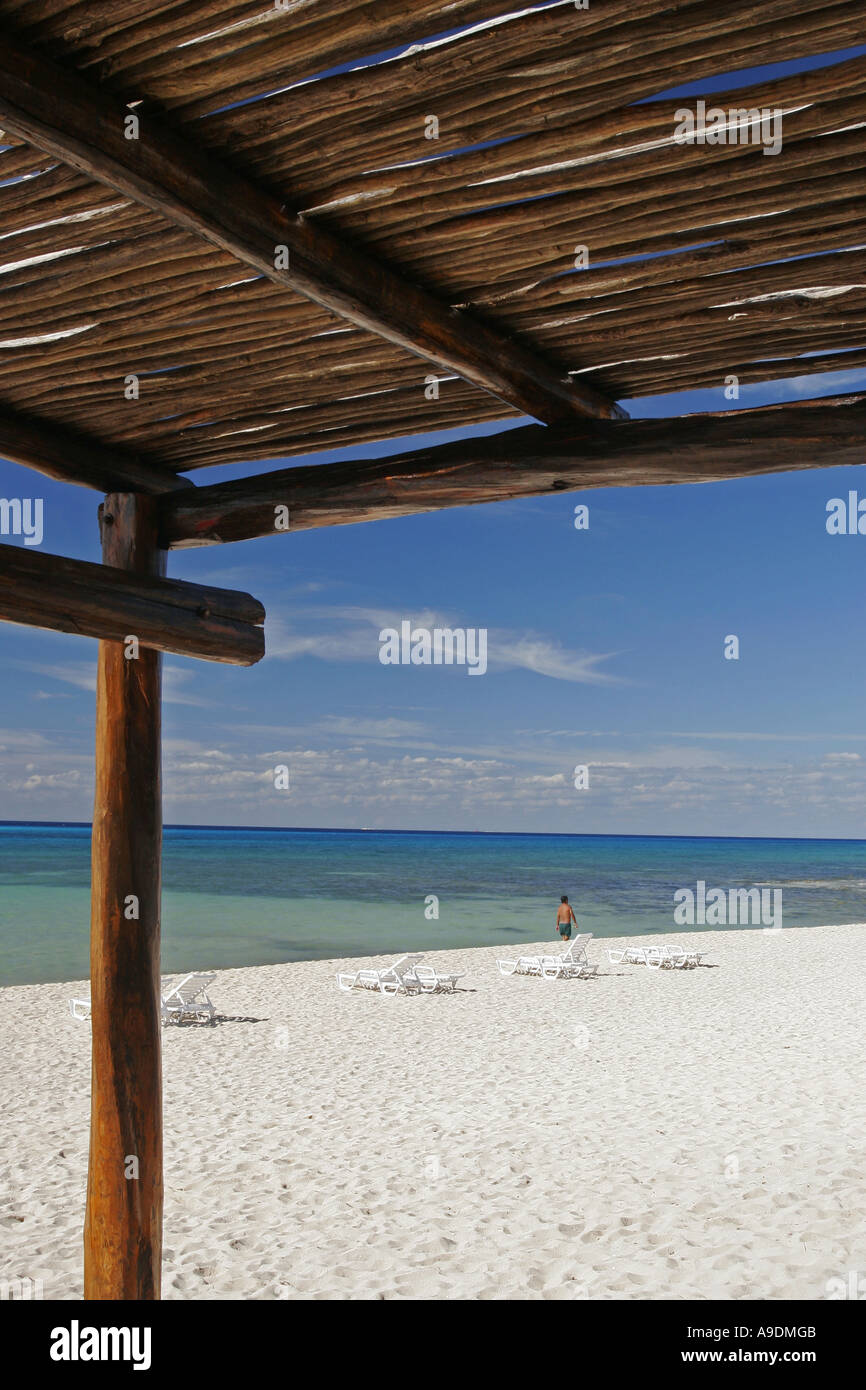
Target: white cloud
{"points": [[352, 634], [82, 675], [391, 779], [547, 658], [48, 781], [371, 730], [21, 740]]}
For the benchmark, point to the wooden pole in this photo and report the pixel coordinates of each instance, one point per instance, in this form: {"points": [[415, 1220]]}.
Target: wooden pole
{"points": [[123, 1223]]}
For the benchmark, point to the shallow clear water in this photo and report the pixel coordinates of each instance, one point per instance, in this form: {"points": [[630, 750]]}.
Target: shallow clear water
{"points": [[254, 897]]}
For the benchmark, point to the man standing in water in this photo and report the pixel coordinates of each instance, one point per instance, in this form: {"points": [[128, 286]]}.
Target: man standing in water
{"points": [[564, 918]]}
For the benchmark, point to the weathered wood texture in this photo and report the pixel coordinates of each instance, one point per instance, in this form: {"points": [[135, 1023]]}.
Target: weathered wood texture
{"points": [[526, 462], [126, 261], [541, 148], [92, 600], [539, 71], [123, 1221], [71, 118], [62, 454]]}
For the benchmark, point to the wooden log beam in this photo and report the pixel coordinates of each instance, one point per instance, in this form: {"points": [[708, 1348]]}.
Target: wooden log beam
{"points": [[114, 604], [61, 112], [72, 458], [526, 462], [123, 1220]]}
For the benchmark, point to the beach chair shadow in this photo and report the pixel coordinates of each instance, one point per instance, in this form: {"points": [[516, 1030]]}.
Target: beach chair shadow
{"points": [[219, 1019]]}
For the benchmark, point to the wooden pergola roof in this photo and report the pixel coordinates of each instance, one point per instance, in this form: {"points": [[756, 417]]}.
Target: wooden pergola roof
{"points": [[236, 205], [457, 251]]}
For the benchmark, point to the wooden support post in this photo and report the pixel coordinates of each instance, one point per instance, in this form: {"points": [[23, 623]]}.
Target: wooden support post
{"points": [[123, 1223]]}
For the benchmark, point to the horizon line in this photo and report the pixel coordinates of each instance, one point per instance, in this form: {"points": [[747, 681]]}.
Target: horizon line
{"points": [[526, 834]]}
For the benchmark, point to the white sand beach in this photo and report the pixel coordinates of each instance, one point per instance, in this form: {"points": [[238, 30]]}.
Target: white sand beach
{"points": [[646, 1134]]}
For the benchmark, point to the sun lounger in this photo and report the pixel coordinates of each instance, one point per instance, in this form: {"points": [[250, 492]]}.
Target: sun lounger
{"points": [[396, 978], [668, 957], [672, 957], [381, 981], [524, 965], [576, 950], [636, 955], [570, 964], [573, 961], [561, 968], [681, 958], [631, 955], [430, 982], [692, 957], [184, 1002], [188, 1002]]}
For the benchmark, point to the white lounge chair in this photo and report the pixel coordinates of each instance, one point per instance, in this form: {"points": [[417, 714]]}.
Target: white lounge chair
{"points": [[634, 955], [672, 957], [631, 955], [668, 957], [576, 949], [561, 968], [430, 982], [570, 964], [692, 957], [396, 978], [524, 965], [188, 1002]]}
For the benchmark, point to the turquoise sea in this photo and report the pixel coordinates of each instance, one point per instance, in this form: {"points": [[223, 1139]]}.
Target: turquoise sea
{"points": [[236, 897]]}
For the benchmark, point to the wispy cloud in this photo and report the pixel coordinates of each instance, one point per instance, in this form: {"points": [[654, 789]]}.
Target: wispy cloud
{"points": [[728, 736], [351, 634], [22, 740], [82, 675], [548, 658], [344, 726]]}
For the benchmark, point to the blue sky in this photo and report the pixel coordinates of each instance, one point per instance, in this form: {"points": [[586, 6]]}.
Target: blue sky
{"points": [[605, 649]]}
